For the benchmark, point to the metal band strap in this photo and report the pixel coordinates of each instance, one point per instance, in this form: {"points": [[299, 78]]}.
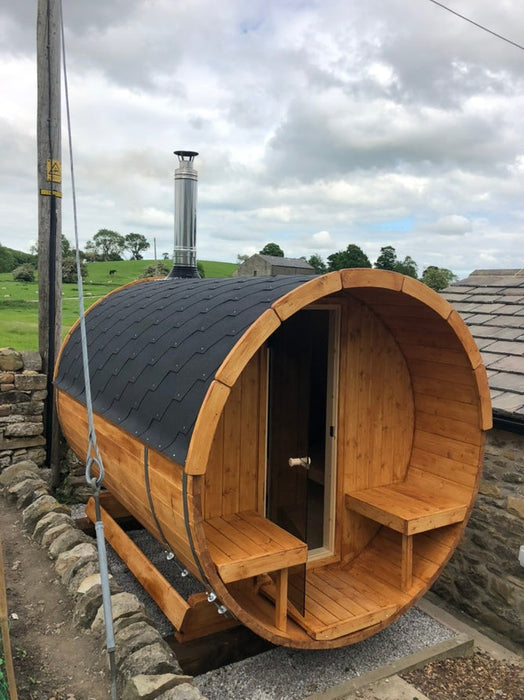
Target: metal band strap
{"points": [[150, 500]]}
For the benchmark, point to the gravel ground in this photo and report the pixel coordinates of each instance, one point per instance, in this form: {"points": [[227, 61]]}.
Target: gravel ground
{"points": [[293, 674]]}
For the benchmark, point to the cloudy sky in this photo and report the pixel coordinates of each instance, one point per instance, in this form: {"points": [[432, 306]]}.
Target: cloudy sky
{"points": [[319, 123]]}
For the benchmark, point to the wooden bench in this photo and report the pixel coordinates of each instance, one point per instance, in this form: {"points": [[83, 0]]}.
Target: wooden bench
{"points": [[244, 545], [408, 509]]}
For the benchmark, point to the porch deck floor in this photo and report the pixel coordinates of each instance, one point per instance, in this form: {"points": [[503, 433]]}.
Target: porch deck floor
{"points": [[342, 599]]}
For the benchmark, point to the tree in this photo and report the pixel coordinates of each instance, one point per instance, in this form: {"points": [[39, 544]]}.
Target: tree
{"points": [[7, 260], [387, 258], [407, 267], [242, 258], [24, 273], [165, 256], [200, 269], [317, 262], [135, 243], [437, 278], [107, 244], [69, 271], [272, 249], [353, 256], [90, 252], [67, 251]]}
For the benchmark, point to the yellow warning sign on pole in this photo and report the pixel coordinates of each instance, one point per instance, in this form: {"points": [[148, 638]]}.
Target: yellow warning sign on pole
{"points": [[54, 170], [51, 193]]}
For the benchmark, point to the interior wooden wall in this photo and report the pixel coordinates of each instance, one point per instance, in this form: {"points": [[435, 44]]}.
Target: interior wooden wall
{"points": [[448, 440], [234, 479], [376, 416]]}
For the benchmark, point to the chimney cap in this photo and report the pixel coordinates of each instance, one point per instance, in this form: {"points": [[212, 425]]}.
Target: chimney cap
{"points": [[183, 155]]}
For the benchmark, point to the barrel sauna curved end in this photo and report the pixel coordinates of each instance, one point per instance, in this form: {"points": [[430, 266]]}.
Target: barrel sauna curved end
{"points": [[313, 446]]}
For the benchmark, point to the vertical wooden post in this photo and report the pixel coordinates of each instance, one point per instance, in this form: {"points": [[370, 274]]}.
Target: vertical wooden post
{"points": [[281, 582], [4, 632], [407, 563], [49, 212]]}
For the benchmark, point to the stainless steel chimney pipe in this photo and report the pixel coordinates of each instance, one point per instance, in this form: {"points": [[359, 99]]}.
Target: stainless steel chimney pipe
{"points": [[186, 182]]}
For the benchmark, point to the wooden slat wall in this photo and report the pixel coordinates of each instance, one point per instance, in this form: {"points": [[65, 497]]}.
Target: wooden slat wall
{"points": [[233, 477], [376, 418], [123, 458]]}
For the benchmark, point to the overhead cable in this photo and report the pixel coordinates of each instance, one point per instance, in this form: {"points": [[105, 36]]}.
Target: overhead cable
{"points": [[476, 24]]}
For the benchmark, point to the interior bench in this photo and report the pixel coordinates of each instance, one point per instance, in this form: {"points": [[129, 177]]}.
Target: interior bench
{"points": [[408, 509], [245, 544]]}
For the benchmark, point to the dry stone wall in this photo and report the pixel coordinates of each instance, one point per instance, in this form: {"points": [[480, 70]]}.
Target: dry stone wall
{"points": [[484, 576], [22, 395]]}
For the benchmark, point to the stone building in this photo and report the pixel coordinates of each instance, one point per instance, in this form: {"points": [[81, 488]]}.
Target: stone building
{"points": [[484, 576], [263, 265]]}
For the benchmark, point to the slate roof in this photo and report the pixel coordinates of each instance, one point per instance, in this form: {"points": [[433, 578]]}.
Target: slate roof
{"points": [[491, 302], [277, 261], [154, 349]]}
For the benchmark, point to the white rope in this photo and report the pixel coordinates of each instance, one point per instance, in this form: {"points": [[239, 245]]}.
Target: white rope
{"points": [[93, 455]]}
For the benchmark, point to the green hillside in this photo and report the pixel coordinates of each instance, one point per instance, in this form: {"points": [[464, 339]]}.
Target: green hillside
{"points": [[19, 300], [129, 270]]}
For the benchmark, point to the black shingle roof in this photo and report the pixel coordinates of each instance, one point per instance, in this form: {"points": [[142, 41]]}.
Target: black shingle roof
{"points": [[155, 347], [491, 302]]}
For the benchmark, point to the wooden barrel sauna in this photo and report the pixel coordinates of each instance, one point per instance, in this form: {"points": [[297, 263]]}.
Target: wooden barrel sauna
{"points": [[309, 448]]}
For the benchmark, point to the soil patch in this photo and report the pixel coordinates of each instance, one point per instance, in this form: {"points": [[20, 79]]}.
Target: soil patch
{"points": [[53, 658], [476, 677]]}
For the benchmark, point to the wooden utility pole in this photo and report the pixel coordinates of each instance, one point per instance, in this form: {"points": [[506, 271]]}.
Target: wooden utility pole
{"points": [[49, 212]]}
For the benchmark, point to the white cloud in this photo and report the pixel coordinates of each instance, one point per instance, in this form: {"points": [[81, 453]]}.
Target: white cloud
{"points": [[451, 225], [321, 240]]}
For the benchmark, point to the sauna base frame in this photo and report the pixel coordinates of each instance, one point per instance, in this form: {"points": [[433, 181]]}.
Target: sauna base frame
{"points": [[192, 619]]}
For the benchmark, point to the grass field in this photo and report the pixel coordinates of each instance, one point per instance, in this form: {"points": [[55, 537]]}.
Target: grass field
{"points": [[19, 300]]}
